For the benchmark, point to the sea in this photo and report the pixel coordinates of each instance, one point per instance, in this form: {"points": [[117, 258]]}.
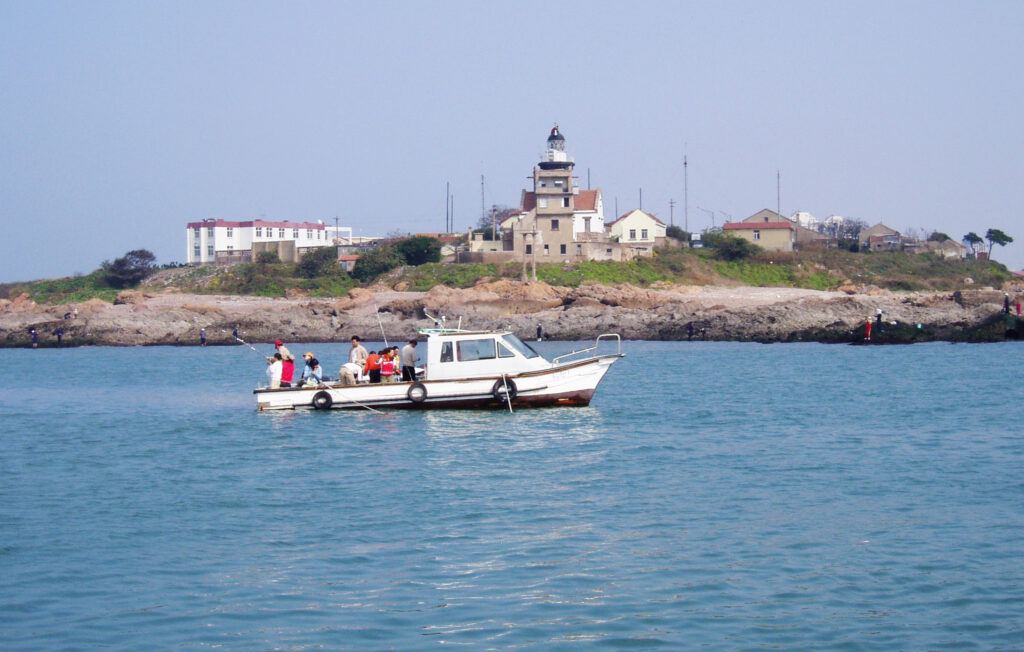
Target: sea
{"points": [[713, 495]]}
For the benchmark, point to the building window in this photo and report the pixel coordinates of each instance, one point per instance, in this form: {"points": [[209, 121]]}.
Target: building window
{"points": [[295, 234], [209, 231], [565, 202], [632, 234], [643, 234], [318, 235], [198, 251], [579, 250], [561, 249], [554, 225], [209, 249], [608, 252], [757, 234], [259, 231], [280, 233], [309, 234], [230, 232], [542, 202], [547, 250], [198, 231], [529, 249], [231, 247]]}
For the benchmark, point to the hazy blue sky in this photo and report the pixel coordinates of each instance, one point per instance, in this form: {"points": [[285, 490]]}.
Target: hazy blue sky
{"points": [[121, 122]]}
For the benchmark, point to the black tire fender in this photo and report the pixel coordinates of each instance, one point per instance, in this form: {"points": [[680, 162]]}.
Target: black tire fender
{"points": [[322, 400], [498, 390], [417, 392]]}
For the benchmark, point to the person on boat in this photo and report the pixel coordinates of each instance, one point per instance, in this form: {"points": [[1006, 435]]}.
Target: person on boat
{"points": [[287, 372], [357, 354], [409, 359], [371, 367], [283, 350], [274, 370], [307, 370], [316, 374], [348, 374], [388, 364]]}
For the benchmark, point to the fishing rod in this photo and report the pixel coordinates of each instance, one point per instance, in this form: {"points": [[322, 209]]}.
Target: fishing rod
{"points": [[381, 324], [241, 341]]}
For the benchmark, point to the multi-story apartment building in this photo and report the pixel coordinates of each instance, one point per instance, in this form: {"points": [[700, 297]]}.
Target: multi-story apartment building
{"points": [[221, 241]]}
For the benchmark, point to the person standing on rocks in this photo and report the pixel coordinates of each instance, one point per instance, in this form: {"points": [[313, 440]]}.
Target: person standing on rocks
{"points": [[689, 331], [35, 337], [867, 330], [409, 359], [1006, 302], [202, 336], [540, 333], [60, 334]]}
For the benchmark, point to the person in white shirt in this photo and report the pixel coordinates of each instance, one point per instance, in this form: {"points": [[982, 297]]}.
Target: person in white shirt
{"points": [[409, 359]]}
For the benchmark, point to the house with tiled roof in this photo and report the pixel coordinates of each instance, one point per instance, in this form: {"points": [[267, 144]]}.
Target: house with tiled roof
{"points": [[880, 238], [767, 229], [639, 229]]}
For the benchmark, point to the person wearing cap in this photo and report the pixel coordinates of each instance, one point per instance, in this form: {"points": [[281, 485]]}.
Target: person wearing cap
{"points": [[285, 353], [307, 371]]}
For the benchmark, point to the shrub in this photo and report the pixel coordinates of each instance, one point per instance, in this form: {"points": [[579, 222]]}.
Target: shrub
{"points": [[129, 269], [375, 262], [419, 250], [322, 261]]}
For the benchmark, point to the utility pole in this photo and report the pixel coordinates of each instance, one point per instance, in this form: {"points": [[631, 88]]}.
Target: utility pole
{"points": [[447, 206], [337, 238], [483, 208], [641, 199], [588, 178], [671, 212], [686, 199], [778, 192]]}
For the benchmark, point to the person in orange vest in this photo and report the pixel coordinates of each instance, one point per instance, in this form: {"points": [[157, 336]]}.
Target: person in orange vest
{"points": [[388, 364], [371, 367]]}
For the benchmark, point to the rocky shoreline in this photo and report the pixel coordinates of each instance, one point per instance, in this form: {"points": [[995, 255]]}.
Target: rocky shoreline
{"points": [[658, 313]]}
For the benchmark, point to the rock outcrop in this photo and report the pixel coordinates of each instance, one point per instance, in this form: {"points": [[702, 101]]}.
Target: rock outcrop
{"points": [[661, 313]]}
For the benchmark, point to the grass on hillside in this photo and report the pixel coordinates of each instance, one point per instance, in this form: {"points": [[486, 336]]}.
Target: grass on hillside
{"points": [[813, 269]]}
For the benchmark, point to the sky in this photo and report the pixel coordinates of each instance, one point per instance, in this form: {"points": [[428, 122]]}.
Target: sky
{"points": [[120, 122]]}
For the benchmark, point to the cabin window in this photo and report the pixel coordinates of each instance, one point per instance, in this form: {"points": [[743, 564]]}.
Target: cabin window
{"points": [[446, 352], [503, 351], [522, 347], [476, 350]]}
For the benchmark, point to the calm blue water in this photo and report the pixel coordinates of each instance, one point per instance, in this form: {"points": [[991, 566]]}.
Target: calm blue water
{"points": [[725, 495]]}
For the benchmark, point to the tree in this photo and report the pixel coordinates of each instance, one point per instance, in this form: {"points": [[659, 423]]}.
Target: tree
{"points": [[995, 236], [322, 261], [938, 236], [375, 262], [730, 247], [973, 240], [487, 224], [419, 249], [129, 269], [677, 232]]}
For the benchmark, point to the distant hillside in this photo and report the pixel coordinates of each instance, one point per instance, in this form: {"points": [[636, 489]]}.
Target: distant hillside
{"points": [[820, 270]]}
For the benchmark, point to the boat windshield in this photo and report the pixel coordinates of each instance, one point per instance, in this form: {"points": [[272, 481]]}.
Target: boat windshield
{"points": [[522, 347]]}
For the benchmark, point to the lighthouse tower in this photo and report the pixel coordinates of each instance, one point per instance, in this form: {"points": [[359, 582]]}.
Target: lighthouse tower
{"points": [[553, 182]]}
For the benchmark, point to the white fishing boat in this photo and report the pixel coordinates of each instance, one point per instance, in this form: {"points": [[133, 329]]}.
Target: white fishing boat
{"points": [[468, 369]]}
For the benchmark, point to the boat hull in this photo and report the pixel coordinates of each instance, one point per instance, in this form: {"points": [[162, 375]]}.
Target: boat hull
{"points": [[565, 385]]}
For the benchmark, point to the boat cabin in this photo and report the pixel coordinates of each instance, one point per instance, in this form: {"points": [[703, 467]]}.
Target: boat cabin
{"points": [[455, 354]]}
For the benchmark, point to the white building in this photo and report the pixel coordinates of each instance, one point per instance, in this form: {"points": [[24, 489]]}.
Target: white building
{"points": [[639, 229], [211, 241], [806, 220]]}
